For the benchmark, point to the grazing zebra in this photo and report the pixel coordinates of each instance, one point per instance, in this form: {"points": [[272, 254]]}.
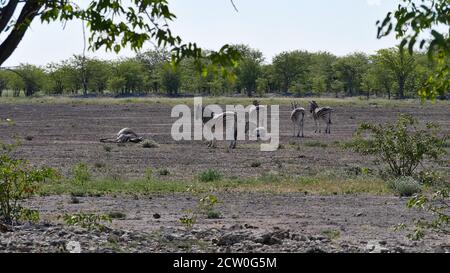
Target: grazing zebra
{"points": [[321, 113], [297, 118]]}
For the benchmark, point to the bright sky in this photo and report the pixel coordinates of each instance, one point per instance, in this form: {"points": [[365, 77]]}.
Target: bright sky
{"points": [[273, 26]]}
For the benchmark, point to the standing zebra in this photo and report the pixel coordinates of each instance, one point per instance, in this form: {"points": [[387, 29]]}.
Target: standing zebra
{"points": [[221, 119], [297, 117], [321, 113]]}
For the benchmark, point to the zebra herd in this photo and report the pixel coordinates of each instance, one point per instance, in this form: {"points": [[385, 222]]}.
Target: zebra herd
{"points": [[319, 114]]}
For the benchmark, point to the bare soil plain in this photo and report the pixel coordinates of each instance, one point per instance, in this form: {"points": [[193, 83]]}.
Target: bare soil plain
{"points": [[61, 135]]}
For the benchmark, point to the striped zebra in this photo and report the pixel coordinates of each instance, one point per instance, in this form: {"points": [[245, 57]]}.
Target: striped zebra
{"points": [[321, 113], [297, 118]]}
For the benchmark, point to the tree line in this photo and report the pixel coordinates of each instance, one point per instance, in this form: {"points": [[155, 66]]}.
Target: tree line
{"points": [[391, 73]]}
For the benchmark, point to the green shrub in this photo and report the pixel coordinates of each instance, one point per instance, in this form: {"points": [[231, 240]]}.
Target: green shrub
{"points": [[401, 145], [87, 221], [163, 172], [81, 173], [17, 182], [210, 176], [405, 186], [148, 174]]}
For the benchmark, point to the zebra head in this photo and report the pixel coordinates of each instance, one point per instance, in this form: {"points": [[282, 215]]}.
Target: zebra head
{"points": [[313, 106]]}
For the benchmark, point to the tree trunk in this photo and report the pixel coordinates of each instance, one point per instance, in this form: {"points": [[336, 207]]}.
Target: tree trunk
{"points": [[29, 12], [401, 88]]}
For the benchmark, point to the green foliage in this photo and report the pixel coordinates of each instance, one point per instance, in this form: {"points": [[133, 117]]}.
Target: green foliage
{"points": [[438, 206], [89, 221], [148, 174], [81, 173], [401, 145], [188, 219], [405, 186], [210, 176], [412, 20], [17, 182]]}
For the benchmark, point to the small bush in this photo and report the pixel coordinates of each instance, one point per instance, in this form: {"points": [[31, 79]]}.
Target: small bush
{"points": [[148, 174], [163, 172], [401, 145], [17, 182], [81, 173], [271, 177], [149, 144], [405, 186], [117, 215], [255, 164], [210, 176], [87, 221], [107, 148]]}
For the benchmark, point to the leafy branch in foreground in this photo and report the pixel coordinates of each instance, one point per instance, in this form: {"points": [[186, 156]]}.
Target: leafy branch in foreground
{"points": [[413, 19], [112, 24], [438, 205]]}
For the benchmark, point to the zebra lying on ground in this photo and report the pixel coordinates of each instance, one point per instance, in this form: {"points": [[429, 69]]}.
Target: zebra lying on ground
{"points": [[123, 136], [321, 113], [297, 118]]}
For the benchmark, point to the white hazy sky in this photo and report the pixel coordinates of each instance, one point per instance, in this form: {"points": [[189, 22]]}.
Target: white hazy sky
{"points": [[273, 26]]}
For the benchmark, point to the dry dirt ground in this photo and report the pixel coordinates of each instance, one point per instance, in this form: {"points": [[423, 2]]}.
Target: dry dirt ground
{"points": [[66, 134], [62, 135]]}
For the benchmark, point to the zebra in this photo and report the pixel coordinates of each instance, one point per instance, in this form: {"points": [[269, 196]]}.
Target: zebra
{"points": [[123, 136], [222, 117], [297, 117], [321, 113]]}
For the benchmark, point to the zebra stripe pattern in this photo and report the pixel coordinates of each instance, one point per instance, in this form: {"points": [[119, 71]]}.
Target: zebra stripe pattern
{"points": [[297, 118], [321, 114]]}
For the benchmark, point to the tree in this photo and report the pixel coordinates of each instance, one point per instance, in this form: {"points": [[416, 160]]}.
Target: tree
{"points": [[3, 81], [153, 62], [171, 80], [400, 64], [350, 69], [412, 20], [98, 72], [132, 74], [249, 68], [290, 67], [113, 24], [33, 78]]}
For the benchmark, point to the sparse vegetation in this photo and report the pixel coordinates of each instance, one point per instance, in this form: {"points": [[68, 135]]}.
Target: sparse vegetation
{"points": [[405, 186], [256, 164], [149, 144], [81, 173], [163, 172], [403, 146], [209, 176], [89, 221], [19, 181]]}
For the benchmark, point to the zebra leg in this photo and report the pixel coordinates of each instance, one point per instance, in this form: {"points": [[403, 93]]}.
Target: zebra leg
{"points": [[301, 126]]}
